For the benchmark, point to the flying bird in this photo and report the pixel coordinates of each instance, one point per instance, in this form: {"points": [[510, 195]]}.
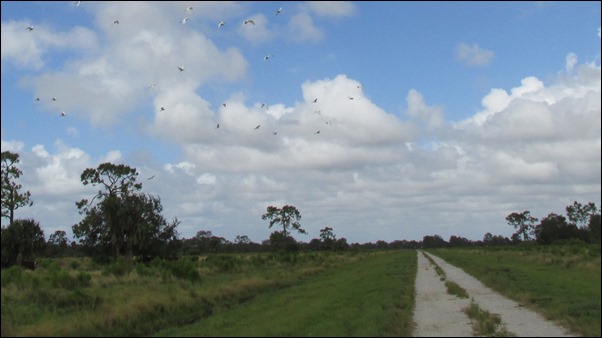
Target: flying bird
{"points": [[116, 22], [37, 99], [189, 9], [259, 125], [315, 100], [317, 132], [279, 10], [78, 3], [275, 133], [217, 127], [350, 98], [250, 21], [181, 68], [162, 108], [63, 114], [30, 28], [267, 57], [184, 21], [220, 24], [54, 99], [224, 104], [150, 178]]}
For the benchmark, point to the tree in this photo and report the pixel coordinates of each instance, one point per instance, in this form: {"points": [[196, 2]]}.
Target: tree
{"points": [[123, 220], [12, 199], [23, 239], [58, 239], [580, 214], [328, 238], [523, 222], [555, 227], [287, 217]]}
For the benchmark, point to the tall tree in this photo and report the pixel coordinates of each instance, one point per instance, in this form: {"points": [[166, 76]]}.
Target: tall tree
{"points": [[580, 214], [12, 199], [523, 222], [288, 217], [123, 219]]}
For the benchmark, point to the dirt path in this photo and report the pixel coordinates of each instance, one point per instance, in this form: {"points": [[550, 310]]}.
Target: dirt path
{"points": [[439, 314]]}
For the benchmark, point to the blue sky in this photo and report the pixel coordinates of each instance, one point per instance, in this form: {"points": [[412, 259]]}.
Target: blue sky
{"points": [[433, 117]]}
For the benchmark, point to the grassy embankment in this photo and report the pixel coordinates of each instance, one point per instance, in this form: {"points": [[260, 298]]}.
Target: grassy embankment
{"points": [[560, 281], [75, 297]]}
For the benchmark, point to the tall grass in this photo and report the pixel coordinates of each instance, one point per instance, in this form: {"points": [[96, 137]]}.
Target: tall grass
{"points": [[560, 281], [63, 298]]}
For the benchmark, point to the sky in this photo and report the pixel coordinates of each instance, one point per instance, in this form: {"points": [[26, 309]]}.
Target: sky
{"points": [[382, 120]]}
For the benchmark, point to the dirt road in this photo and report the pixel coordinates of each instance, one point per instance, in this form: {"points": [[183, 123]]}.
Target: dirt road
{"points": [[439, 314]]}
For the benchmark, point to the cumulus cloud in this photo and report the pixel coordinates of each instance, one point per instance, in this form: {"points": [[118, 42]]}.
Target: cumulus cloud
{"points": [[473, 55]]}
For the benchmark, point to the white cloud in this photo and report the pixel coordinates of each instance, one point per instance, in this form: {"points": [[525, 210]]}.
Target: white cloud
{"points": [[302, 28], [417, 108], [473, 55], [332, 8], [571, 61], [27, 49]]}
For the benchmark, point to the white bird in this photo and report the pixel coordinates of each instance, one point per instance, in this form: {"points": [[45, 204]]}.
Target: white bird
{"points": [[78, 3], [63, 113], [279, 10], [250, 21], [184, 21], [267, 57], [30, 28], [189, 9], [220, 24], [181, 68], [116, 22], [259, 125]]}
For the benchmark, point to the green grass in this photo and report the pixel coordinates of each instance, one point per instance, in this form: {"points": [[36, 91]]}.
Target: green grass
{"points": [[454, 289], [80, 298], [486, 324], [560, 281], [371, 297]]}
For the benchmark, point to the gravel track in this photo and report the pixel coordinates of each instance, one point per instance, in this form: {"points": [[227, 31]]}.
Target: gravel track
{"points": [[439, 314]]}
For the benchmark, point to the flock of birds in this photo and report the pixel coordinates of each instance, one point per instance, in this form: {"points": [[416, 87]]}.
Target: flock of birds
{"points": [[182, 68]]}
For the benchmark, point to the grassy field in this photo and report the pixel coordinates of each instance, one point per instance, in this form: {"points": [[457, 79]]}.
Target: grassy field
{"points": [[560, 281], [373, 297], [76, 297]]}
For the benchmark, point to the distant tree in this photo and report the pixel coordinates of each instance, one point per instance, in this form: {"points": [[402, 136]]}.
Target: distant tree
{"points": [[594, 228], [580, 214], [23, 239], [341, 244], [12, 199], [434, 241], [242, 240], [328, 238], [123, 219], [523, 222], [288, 217], [555, 227]]}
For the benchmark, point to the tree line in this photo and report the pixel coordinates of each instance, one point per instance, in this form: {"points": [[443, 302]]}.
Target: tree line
{"points": [[120, 221]]}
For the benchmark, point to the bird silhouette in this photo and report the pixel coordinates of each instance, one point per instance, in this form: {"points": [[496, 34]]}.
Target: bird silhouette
{"points": [[150, 178], [162, 108], [250, 21], [54, 99], [317, 132], [30, 28], [181, 68], [63, 114], [267, 57], [188, 9], [217, 127], [315, 100], [278, 11], [116, 22], [259, 125], [220, 24], [37, 99]]}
